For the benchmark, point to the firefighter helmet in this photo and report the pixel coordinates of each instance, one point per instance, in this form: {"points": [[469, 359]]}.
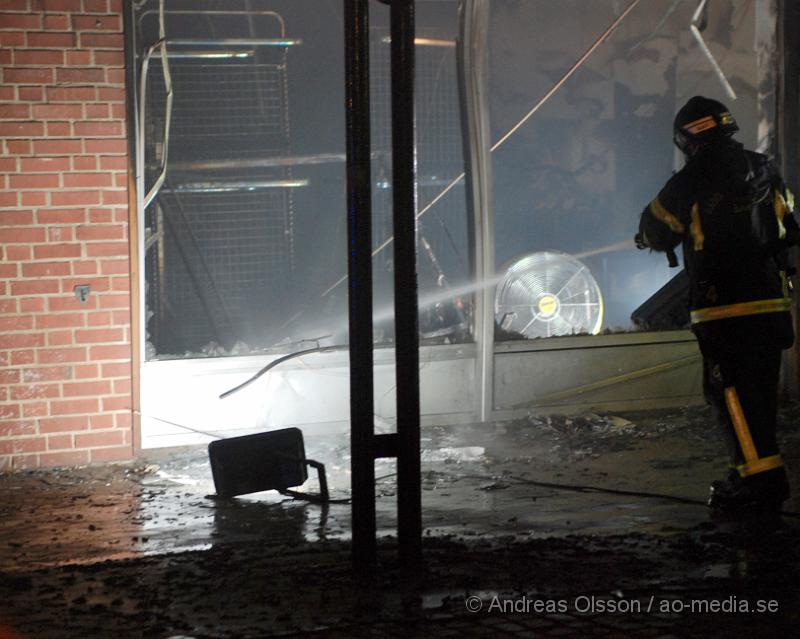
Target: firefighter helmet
{"points": [[702, 121]]}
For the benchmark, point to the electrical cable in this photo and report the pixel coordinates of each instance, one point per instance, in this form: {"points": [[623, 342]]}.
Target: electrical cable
{"points": [[280, 360], [580, 488], [590, 489], [593, 489]]}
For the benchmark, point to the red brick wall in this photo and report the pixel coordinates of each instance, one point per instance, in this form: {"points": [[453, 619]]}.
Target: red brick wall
{"points": [[65, 367]]}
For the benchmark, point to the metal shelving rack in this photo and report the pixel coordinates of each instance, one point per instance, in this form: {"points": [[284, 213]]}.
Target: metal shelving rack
{"points": [[215, 198]]}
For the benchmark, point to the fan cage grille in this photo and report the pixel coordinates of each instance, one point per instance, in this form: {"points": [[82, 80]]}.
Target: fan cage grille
{"points": [[548, 294]]}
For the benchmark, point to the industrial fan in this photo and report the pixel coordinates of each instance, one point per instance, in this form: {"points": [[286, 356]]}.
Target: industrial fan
{"points": [[546, 294]]}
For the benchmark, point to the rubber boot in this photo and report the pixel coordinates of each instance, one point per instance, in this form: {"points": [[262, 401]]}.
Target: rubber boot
{"points": [[764, 491]]}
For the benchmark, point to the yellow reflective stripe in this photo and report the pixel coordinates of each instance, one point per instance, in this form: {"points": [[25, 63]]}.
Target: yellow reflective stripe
{"points": [[740, 425], [779, 204], [696, 228], [742, 308], [752, 464], [760, 465], [703, 124], [665, 216]]}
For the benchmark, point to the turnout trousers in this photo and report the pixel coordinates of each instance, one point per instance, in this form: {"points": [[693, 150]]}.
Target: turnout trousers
{"points": [[742, 389]]}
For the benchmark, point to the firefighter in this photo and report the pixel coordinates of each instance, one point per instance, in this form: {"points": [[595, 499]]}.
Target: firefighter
{"points": [[732, 213]]}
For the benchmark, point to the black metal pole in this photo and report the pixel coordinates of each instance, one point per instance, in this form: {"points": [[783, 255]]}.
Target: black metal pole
{"points": [[404, 161], [359, 264]]}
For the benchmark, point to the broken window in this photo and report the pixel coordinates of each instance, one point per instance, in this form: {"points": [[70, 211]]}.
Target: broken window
{"points": [[245, 240], [570, 183], [245, 236]]}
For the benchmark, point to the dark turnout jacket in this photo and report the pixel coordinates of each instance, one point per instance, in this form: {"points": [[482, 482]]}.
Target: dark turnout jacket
{"points": [[732, 213]]}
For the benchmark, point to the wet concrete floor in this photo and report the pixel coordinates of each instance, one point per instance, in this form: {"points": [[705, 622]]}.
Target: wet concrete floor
{"points": [[590, 525]]}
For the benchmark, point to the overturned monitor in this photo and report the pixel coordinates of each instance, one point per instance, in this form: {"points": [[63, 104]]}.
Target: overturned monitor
{"points": [[667, 309]]}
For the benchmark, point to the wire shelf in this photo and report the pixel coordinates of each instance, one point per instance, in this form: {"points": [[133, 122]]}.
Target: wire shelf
{"points": [[226, 255]]}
